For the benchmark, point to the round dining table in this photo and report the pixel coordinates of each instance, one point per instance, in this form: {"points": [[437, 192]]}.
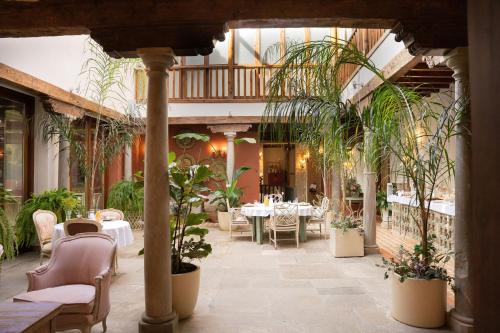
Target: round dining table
{"points": [[119, 230], [258, 211]]}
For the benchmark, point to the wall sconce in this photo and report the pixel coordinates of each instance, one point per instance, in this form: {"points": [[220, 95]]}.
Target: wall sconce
{"points": [[219, 154], [303, 163]]}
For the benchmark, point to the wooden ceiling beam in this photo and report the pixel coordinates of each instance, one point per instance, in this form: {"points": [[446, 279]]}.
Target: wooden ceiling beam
{"points": [[191, 26], [424, 79]]}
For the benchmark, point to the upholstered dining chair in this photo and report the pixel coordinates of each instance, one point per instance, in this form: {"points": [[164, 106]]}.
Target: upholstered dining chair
{"points": [[81, 286], [285, 218], [319, 216], [111, 214], [79, 225], [44, 221]]}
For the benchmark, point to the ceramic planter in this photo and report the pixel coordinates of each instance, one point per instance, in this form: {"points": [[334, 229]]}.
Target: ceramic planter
{"points": [[348, 243], [185, 289], [419, 302], [224, 218]]}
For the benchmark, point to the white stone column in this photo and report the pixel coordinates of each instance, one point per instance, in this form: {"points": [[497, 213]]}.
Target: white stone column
{"points": [[369, 201], [230, 155], [127, 162], [159, 315], [461, 317], [63, 180]]}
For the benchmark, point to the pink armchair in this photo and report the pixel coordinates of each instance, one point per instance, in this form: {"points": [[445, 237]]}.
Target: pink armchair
{"points": [[78, 276]]}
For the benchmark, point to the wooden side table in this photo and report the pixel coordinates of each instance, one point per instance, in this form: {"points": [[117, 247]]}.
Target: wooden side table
{"points": [[27, 317]]}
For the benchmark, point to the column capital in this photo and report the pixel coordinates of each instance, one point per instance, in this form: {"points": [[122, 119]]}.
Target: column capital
{"points": [[229, 128], [157, 58], [458, 60], [230, 135]]}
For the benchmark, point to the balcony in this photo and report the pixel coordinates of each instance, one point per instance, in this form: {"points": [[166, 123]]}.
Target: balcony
{"points": [[234, 83]]}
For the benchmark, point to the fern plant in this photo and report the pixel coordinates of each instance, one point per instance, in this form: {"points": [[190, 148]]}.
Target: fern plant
{"points": [[53, 200], [7, 234], [127, 195]]}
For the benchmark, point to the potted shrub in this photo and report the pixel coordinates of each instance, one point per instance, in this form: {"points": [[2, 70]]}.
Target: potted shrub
{"points": [[383, 207], [418, 289], [228, 192], [347, 238]]}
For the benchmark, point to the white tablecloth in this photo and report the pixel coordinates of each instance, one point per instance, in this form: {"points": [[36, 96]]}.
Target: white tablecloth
{"points": [[261, 210], [440, 206], [119, 230]]}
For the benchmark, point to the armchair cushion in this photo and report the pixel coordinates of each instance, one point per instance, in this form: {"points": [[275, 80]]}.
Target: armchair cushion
{"points": [[76, 298]]}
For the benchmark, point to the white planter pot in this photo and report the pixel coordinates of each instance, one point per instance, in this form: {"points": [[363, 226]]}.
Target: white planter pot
{"points": [[349, 243], [185, 289], [419, 302], [224, 218]]}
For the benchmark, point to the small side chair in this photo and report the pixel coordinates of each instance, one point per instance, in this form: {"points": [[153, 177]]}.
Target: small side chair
{"points": [[80, 225], [44, 221]]}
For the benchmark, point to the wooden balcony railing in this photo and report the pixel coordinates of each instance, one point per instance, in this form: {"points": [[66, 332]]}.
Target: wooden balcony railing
{"points": [[238, 83]]}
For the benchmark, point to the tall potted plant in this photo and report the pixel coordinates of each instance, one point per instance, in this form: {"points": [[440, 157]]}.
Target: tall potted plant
{"points": [[417, 135], [228, 191], [187, 237], [7, 234]]}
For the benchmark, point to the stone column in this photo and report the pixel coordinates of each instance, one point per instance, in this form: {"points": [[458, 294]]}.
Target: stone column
{"points": [[159, 315], [63, 180], [230, 155], [230, 131], [336, 189], [369, 201], [127, 163], [461, 317]]}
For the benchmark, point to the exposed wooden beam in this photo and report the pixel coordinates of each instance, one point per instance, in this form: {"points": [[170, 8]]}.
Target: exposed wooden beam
{"points": [[425, 79], [20, 79], [214, 120], [190, 26]]}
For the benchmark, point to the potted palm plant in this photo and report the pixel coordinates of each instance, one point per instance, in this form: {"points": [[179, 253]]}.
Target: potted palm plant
{"points": [[417, 134], [346, 237]]}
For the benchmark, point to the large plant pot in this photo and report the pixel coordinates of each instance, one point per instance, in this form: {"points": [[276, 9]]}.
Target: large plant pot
{"points": [[185, 289], [349, 243], [419, 302], [224, 218]]}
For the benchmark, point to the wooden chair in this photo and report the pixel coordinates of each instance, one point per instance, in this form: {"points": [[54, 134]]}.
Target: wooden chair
{"points": [[44, 221], [285, 218], [319, 216], [111, 214], [81, 225], [78, 276]]}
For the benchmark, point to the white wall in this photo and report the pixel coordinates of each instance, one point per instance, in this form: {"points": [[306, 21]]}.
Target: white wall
{"points": [[57, 60], [385, 52]]}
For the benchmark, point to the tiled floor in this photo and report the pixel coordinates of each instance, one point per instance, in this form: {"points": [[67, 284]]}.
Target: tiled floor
{"points": [[253, 288]]}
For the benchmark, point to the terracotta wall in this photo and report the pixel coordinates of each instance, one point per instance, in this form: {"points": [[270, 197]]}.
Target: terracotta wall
{"points": [[113, 174], [245, 154]]}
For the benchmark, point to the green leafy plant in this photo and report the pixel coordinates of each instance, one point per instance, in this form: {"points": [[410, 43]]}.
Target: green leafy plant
{"points": [[409, 265], [187, 191], [346, 222], [382, 200], [127, 195], [229, 191], [7, 233], [50, 200]]}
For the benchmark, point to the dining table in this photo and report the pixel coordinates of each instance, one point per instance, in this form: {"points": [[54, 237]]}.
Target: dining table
{"points": [[119, 230], [257, 212]]}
